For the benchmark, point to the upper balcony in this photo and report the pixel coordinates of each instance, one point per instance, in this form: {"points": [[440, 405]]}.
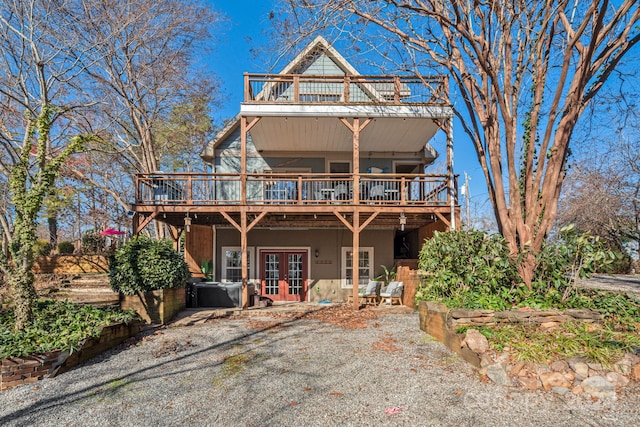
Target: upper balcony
{"points": [[345, 89], [308, 190]]}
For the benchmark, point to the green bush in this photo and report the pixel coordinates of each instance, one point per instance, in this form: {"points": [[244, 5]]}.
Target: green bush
{"points": [[65, 247], [42, 247], [472, 269], [145, 265], [93, 242], [561, 263], [468, 269]]}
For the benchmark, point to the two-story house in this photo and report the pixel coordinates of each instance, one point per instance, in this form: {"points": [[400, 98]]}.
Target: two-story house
{"points": [[322, 170]]}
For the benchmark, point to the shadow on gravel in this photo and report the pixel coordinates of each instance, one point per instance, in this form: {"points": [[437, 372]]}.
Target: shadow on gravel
{"points": [[114, 384]]}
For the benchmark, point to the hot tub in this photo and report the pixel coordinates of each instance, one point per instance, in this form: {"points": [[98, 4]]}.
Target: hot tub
{"points": [[217, 294]]}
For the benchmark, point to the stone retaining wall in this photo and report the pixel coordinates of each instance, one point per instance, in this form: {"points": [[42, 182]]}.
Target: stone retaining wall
{"points": [[575, 375], [71, 264], [15, 371], [547, 318]]}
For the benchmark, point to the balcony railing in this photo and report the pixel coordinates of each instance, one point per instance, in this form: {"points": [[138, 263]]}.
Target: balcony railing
{"points": [[291, 189], [307, 89]]}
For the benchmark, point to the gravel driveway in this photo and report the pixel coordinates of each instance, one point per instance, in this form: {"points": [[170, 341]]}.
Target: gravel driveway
{"points": [[260, 371]]}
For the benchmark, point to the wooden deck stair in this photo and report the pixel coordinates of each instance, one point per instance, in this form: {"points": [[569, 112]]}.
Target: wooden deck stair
{"points": [[82, 288]]}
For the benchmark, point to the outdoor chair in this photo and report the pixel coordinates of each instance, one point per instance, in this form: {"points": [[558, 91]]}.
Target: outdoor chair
{"points": [[369, 295], [341, 192], [392, 292], [377, 192]]}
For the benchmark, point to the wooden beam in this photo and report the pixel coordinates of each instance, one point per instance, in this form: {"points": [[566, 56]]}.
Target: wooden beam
{"points": [[145, 222], [344, 221], [368, 221], [346, 123], [443, 219], [245, 261], [231, 221], [252, 123], [175, 233], [355, 259], [256, 220]]}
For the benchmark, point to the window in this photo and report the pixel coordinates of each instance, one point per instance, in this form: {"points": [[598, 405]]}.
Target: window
{"points": [[232, 264], [365, 268], [319, 97]]}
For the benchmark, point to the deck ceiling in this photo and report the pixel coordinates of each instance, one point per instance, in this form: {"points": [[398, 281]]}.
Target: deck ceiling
{"points": [[330, 134]]}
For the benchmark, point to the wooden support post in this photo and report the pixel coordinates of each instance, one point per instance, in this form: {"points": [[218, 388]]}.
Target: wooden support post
{"points": [[356, 161], [355, 258], [175, 233], [243, 160], [244, 128], [452, 188], [245, 261], [356, 128]]}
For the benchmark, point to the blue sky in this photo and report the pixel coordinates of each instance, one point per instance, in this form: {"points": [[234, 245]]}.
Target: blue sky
{"points": [[245, 28]]}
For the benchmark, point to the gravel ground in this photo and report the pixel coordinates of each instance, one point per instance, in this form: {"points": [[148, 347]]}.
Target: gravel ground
{"points": [[292, 372]]}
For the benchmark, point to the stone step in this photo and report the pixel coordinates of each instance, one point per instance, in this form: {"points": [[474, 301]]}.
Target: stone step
{"points": [[87, 279], [94, 299]]}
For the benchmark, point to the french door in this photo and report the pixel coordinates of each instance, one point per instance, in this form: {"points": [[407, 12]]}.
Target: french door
{"points": [[284, 275]]}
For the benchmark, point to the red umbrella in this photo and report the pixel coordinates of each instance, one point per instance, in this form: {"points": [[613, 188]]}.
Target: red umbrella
{"points": [[112, 232]]}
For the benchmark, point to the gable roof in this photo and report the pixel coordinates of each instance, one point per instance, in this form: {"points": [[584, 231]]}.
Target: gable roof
{"points": [[319, 44]]}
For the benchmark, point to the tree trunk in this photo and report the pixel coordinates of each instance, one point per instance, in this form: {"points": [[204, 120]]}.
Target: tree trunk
{"points": [[52, 221], [24, 294]]}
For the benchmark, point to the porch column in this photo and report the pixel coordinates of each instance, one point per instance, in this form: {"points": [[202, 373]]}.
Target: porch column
{"points": [[452, 189], [355, 129], [244, 260], [355, 259], [243, 162], [356, 161]]}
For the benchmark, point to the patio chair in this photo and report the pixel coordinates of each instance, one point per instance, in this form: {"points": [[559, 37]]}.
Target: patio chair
{"points": [[377, 192], [392, 292], [341, 192], [369, 295]]}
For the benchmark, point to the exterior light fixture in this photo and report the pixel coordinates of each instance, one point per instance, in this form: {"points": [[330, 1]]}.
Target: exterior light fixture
{"points": [[187, 223], [317, 253], [403, 221]]}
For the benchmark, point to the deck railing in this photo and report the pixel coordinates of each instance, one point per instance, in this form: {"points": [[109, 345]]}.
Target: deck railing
{"points": [[291, 189], [308, 89]]}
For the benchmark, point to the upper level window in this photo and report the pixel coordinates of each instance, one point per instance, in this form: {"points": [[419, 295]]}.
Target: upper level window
{"points": [[319, 97]]}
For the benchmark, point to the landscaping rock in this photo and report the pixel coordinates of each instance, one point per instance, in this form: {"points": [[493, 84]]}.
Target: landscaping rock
{"points": [[553, 379], [498, 375], [622, 367], [485, 360], [476, 341], [559, 366], [530, 383], [599, 387], [577, 390], [549, 325], [635, 372], [515, 369], [457, 314], [617, 379], [569, 375], [560, 390], [581, 369]]}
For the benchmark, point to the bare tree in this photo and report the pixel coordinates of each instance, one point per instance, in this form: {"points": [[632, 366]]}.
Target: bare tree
{"points": [[144, 66], [38, 102], [525, 71], [603, 194]]}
